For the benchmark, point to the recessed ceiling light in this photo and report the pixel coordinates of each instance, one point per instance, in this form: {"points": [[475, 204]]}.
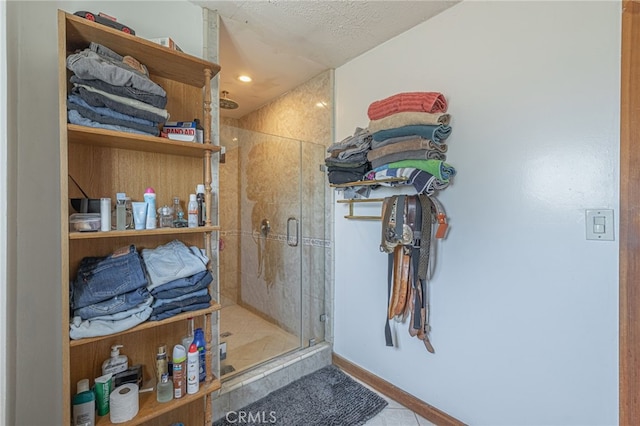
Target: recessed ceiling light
{"points": [[244, 78]]}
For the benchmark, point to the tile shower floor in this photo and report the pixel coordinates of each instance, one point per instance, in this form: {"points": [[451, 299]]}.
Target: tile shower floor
{"points": [[250, 340]]}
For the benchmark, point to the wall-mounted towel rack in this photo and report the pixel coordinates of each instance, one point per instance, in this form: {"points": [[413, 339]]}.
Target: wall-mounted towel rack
{"points": [[368, 182], [352, 201]]}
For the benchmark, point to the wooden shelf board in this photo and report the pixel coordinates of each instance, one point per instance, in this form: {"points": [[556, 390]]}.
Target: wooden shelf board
{"points": [[150, 408], [141, 233], [215, 306], [360, 200], [159, 60], [368, 182], [112, 139], [363, 217]]}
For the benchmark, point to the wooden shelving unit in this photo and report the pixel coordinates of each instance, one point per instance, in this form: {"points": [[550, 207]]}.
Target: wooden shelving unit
{"points": [[105, 162]]}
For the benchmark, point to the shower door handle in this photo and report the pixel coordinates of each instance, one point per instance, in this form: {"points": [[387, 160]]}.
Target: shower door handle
{"points": [[292, 240]]}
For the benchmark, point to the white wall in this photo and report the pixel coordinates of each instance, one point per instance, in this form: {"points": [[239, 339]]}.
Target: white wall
{"points": [[524, 309], [34, 80]]}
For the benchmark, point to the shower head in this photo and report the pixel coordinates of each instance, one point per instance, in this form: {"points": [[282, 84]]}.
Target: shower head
{"points": [[227, 103]]}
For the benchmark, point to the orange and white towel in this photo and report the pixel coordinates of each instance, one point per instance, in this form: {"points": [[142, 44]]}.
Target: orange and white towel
{"points": [[433, 102]]}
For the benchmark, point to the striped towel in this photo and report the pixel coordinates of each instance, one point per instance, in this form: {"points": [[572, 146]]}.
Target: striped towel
{"points": [[433, 102], [438, 168]]}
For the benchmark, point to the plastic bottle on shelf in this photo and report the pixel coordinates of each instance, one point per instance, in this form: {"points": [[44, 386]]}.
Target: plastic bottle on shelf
{"points": [[202, 214], [179, 371], [116, 363], [192, 211], [193, 370], [198, 339], [188, 339], [84, 405], [150, 199]]}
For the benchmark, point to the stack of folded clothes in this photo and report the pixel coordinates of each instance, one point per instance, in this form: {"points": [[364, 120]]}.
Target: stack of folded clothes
{"points": [[114, 92], [408, 132], [109, 295], [347, 161], [178, 279]]}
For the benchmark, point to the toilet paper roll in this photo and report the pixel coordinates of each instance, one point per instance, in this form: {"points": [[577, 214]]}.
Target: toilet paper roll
{"points": [[123, 403]]}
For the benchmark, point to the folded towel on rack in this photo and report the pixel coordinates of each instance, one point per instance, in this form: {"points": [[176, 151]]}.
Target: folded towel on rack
{"points": [[437, 134], [412, 144], [433, 102], [423, 182], [342, 176], [357, 158], [438, 168], [360, 141], [417, 154], [408, 118], [442, 147]]}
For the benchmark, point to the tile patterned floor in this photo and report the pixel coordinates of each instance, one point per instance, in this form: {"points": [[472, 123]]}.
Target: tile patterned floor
{"points": [[394, 414], [251, 339]]}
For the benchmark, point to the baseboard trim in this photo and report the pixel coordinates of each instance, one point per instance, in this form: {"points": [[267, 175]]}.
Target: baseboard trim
{"points": [[416, 405]]}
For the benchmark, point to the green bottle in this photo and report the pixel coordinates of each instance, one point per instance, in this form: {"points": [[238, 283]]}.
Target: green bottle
{"points": [[84, 405]]}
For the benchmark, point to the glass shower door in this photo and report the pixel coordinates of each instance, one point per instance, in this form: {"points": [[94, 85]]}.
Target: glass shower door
{"points": [[272, 254]]}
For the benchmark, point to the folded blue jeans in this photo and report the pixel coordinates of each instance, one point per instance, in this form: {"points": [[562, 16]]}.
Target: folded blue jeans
{"points": [[110, 324], [172, 261], [103, 278], [158, 303], [127, 92], [108, 116], [119, 303], [183, 303], [183, 286], [75, 117], [176, 311]]}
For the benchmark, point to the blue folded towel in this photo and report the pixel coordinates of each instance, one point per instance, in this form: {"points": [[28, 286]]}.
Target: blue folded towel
{"points": [[436, 134]]}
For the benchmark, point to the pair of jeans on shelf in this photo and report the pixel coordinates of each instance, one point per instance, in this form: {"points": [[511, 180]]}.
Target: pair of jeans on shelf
{"points": [[176, 311], [182, 286], [75, 117], [119, 303], [172, 261], [132, 107], [103, 278], [90, 65], [127, 92], [199, 296], [110, 324], [108, 116]]}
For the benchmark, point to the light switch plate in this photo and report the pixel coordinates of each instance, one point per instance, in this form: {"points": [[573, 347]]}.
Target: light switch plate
{"points": [[599, 224]]}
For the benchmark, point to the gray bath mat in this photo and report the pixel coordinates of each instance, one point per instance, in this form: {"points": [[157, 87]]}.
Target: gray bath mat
{"points": [[327, 397]]}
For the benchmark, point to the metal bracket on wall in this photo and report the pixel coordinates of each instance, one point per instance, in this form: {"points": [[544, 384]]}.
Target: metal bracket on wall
{"points": [[352, 201]]}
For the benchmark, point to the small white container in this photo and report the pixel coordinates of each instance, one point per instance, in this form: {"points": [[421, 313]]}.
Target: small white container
{"points": [[105, 214], [84, 222]]}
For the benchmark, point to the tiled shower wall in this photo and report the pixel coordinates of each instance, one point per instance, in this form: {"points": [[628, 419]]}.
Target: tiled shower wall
{"points": [[259, 179]]}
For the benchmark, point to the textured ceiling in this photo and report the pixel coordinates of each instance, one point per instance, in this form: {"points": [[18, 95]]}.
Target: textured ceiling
{"points": [[282, 44]]}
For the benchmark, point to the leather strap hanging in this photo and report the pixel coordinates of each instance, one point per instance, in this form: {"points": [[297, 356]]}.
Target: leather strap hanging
{"points": [[407, 236]]}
